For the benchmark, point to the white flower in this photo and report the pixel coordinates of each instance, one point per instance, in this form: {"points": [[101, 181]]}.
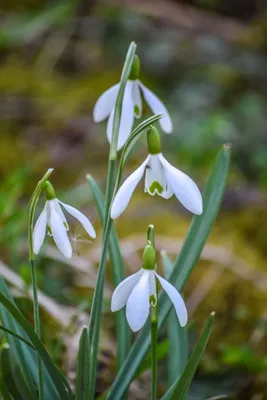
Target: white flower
{"points": [[53, 220], [135, 292], [131, 107], [163, 179]]}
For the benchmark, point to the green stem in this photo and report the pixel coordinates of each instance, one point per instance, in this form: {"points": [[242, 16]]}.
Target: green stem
{"points": [[151, 235], [154, 334], [96, 309], [37, 327]]}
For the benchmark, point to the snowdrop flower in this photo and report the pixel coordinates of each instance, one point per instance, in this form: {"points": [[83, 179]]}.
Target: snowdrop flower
{"points": [[161, 178], [53, 221], [138, 293], [131, 106]]}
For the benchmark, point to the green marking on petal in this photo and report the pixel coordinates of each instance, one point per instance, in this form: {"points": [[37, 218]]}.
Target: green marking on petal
{"points": [[152, 300], [156, 187], [136, 110], [66, 225], [49, 230]]}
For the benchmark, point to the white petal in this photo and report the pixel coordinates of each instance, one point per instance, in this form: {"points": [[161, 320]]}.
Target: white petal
{"points": [[81, 218], [183, 187], [157, 107], [176, 300], [137, 100], [137, 308], [59, 231], [126, 190], [39, 231], [152, 284], [105, 103], [155, 176], [167, 193], [123, 291], [60, 212], [127, 117]]}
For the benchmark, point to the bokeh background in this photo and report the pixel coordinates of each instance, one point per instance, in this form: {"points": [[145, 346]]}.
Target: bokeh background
{"points": [[207, 60]]}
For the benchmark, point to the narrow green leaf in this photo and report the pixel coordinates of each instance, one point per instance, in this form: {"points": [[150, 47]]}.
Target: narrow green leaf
{"points": [[127, 67], [12, 378], [178, 338], [162, 351], [3, 328], [22, 354], [183, 266], [82, 380], [182, 383], [60, 384], [4, 390], [122, 328]]}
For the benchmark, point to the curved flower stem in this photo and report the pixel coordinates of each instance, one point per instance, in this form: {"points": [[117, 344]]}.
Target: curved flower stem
{"points": [[96, 309], [37, 327], [154, 335]]}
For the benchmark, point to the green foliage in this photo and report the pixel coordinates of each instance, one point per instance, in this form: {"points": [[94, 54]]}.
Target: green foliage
{"points": [[82, 379], [183, 266], [180, 386]]}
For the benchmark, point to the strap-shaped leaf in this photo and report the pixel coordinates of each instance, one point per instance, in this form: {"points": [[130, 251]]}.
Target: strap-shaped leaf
{"points": [[179, 388], [22, 354], [178, 337], [13, 380], [60, 383], [183, 266], [82, 380]]}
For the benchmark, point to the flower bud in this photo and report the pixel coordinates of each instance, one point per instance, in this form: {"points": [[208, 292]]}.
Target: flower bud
{"points": [[49, 191], [153, 140], [135, 71], [149, 257]]}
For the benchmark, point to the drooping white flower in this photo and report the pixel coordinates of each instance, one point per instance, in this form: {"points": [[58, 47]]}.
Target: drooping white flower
{"points": [[52, 220], [161, 178], [138, 293], [131, 106]]}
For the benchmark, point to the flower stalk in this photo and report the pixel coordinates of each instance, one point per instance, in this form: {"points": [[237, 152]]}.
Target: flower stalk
{"points": [[153, 324], [37, 326], [96, 309], [154, 339]]}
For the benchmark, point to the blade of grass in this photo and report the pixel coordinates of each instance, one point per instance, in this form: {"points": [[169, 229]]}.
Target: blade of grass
{"points": [[10, 381], [60, 384], [183, 381], [16, 335], [82, 380], [178, 339], [22, 354], [183, 266]]}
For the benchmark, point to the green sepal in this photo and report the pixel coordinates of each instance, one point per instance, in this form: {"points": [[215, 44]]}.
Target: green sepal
{"points": [[49, 191], [149, 257], [153, 141], [135, 71]]}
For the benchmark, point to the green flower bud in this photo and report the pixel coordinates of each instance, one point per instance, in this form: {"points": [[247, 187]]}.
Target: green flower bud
{"points": [[134, 74], [153, 140], [49, 191], [149, 257]]}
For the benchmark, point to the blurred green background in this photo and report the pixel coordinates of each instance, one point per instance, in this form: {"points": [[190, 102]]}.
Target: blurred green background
{"points": [[207, 60]]}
